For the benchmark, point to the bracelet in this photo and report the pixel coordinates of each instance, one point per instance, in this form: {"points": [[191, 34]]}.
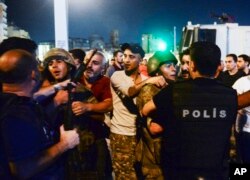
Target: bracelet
{"points": [[57, 87]]}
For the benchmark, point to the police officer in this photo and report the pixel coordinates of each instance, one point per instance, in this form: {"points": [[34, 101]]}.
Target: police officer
{"points": [[195, 117]]}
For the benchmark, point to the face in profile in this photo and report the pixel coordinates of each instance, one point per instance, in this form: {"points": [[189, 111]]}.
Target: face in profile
{"points": [[119, 57], [241, 64]]}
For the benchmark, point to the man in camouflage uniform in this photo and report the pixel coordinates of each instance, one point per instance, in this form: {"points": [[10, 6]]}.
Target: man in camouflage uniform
{"points": [[148, 148]]}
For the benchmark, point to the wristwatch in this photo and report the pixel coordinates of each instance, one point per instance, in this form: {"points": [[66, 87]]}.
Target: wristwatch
{"points": [[57, 87]]}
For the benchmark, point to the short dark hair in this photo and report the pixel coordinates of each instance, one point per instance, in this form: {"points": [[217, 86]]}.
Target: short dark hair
{"points": [[20, 71], [245, 57], [185, 52], [78, 54], [206, 57], [116, 52], [233, 56], [18, 43]]}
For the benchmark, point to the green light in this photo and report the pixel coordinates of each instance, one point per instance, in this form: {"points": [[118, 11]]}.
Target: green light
{"points": [[162, 46]]}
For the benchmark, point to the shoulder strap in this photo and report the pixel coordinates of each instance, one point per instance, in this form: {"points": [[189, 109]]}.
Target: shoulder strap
{"points": [[127, 102], [133, 109]]}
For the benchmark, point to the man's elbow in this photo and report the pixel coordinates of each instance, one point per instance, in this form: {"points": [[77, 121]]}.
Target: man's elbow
{"points": [[109, 105], [18, 171]]}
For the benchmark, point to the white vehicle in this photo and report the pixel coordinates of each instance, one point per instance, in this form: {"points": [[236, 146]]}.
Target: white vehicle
{"points": [[230, 37]]}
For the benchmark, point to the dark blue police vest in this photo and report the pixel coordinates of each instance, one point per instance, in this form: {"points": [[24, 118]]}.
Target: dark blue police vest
{"points": [[204, 112]]}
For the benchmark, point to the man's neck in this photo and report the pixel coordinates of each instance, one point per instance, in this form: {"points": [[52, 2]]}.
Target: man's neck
{"points": [[118, 64], [196, 74], [233, 71], [246, 70], [20, 89], [133, 73]]}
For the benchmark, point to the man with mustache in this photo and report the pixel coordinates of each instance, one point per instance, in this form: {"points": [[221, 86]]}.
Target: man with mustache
{"points": [[99, 85], [185, 61], [126, 85]]}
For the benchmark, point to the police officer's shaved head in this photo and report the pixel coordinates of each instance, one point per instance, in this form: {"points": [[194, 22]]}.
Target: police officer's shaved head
{"points": [[206, 57], [16, 66]]}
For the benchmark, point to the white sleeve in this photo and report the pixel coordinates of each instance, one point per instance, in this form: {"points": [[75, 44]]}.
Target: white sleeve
{"points": [[238, 86], [119, 82]]}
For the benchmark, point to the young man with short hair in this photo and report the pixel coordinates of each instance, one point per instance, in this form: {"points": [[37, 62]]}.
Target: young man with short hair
{"points": [[127, 83]]}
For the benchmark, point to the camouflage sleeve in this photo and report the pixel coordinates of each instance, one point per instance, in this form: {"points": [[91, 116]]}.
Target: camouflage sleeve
{"points": [[146, 94]]}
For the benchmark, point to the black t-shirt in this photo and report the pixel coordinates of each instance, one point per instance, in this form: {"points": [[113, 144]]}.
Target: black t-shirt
{"points": [[228, 79], [24, 133]]}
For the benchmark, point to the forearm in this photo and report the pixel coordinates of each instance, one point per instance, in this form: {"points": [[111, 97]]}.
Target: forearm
{"points": [[44, 92], [134, 90], [155, 128], [100, 107], [244, 100], [29, 167], [148, 108]]}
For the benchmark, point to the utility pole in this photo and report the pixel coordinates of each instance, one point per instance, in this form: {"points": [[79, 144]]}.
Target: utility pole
{"points": [[61, 23], [174, 38]]}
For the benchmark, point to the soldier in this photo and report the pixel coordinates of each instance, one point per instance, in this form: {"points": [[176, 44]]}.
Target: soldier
{"points": [[89, 100], [196, 118], [149, 147]]}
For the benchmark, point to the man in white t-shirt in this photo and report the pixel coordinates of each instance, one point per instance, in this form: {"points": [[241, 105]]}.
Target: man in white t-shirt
{"points": [[123, 123], [242, 85]]}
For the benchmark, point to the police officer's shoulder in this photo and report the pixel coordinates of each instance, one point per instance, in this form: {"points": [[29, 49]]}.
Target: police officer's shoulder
{"points": [[225, 88], [183, 82]]}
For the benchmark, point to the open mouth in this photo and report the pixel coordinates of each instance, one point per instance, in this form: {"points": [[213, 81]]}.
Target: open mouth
{"points": [[56, 73], [89, 71]]}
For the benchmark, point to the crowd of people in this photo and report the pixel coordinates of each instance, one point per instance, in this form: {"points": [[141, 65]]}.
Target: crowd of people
{"points": [[72, 117]]}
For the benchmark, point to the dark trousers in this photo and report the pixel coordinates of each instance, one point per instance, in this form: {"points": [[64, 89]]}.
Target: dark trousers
{"points": [[245, 147], [103, 161], [94, 163]]}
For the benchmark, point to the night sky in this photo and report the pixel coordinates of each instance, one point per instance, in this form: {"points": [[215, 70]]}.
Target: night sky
{"points": [[131, 17]]}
